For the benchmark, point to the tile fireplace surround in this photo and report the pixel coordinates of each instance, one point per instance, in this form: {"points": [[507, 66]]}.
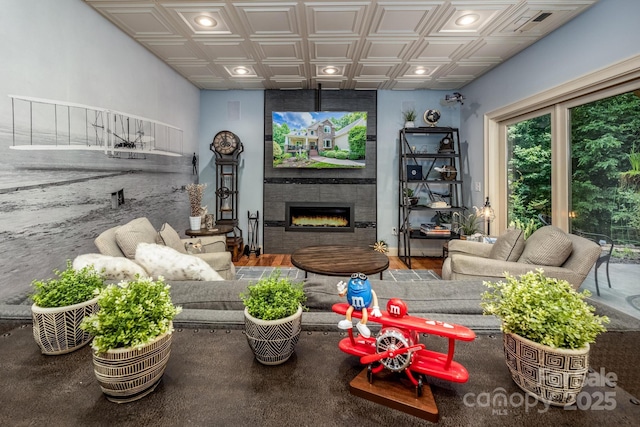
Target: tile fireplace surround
{"points": [[341, 187]]}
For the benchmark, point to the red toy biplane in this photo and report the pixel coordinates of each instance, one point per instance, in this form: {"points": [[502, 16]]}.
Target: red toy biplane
{"points": [[397, 346]]}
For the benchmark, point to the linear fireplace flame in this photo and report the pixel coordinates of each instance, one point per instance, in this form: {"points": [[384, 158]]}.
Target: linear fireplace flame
{"points": [[319, 221], [318, 216]]}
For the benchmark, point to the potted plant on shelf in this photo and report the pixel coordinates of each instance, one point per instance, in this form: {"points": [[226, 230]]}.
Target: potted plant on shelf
{"points": [[195, 192], [466, 224], [544, 320], [132, 337], [409, 118], [409, 197], [60, 305], [273, 317]]}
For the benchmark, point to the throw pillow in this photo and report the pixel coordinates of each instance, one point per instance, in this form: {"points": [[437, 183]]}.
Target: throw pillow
{"points": [[107, 244], [168, 236], [111, 267], [548, 245], [164, 261], [508, 246], [137, 231], [194, 247]]}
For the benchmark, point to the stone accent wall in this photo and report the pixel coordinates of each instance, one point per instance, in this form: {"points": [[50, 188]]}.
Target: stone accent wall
{"points": [[329, 185]]}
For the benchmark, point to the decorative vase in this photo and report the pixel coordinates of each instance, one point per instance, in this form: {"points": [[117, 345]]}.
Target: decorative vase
{"points": [[409, 124], [552, 375], [273, 341], [195, 222], [57, 329], [128, 374]]}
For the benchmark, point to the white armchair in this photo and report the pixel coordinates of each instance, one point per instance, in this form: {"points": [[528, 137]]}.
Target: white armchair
{"points": [[560, 255]]}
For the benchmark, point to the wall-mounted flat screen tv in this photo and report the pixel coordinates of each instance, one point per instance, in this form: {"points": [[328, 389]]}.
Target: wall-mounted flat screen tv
{"points": [[319, 139]]}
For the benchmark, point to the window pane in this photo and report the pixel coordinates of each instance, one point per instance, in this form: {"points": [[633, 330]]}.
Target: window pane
{"points": [[605, 195], [529, 169]]}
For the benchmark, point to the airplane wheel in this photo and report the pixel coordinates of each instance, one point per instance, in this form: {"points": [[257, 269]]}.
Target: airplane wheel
{"points": [[370, 374], [394, 339], [419, 387]]}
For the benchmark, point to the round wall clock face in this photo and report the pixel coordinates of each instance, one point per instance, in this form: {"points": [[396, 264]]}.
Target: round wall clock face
{"points": [[225, 142]]}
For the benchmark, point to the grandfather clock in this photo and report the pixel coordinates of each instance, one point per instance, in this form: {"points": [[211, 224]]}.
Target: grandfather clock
{"points": [[227, 147]]}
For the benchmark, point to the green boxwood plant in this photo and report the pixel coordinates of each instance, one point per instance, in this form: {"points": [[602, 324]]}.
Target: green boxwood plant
{"points": [[273, 297], [71, 287], [544, 310], [131, 314]]}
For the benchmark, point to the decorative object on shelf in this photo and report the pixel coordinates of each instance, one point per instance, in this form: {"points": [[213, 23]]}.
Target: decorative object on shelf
{"points": [[195, 192], [273, 317], [466, 224], [431, 117], [446, 145], [59, 307], [547, 329], [409, 118], [209, 222], [227, 148], [414, 172], [488, 214], [380, 246], [132, 340], [447, 172], [410, 198]]}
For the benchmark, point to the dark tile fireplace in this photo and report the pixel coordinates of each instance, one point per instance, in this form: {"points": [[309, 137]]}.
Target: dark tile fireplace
{"points": [[320, 217], [335, 196]]}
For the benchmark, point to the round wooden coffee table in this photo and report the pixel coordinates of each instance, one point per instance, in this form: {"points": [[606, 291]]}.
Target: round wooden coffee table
{"points": [[339, 260]]}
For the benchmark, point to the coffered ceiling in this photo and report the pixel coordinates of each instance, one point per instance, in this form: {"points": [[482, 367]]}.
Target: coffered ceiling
{"points": [[295, 44]]}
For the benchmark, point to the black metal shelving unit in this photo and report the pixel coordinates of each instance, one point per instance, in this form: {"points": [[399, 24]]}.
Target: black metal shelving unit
{"points": [[421, 150]]}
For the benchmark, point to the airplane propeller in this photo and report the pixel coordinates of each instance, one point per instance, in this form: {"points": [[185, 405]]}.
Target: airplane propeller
{"points": [[365, 360]]}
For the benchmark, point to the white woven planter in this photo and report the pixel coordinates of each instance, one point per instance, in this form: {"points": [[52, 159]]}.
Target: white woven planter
{"points": [[273, 341], [552, 375], [128, 374], [57, 329]]}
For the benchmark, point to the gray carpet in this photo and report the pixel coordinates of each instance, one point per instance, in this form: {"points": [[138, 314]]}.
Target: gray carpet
{"points": [[212, 379], [397, 275]]}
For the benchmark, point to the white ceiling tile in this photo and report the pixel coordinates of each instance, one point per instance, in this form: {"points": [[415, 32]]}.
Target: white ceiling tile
{"points": [[385, 49], [400, 19], [377, 44], [269, 20], [335, 19]]}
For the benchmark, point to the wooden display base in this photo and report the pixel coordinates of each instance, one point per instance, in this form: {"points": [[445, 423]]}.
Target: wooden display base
{"points": [[391, 390]]}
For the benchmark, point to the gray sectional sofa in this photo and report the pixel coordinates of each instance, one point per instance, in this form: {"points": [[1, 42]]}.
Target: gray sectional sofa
{"points": [[217, 304]]}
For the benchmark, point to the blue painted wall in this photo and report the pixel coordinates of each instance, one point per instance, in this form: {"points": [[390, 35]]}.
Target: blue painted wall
{"points": [[604, 34]]}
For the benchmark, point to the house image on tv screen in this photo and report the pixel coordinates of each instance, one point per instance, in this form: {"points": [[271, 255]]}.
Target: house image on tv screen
{"points": [[319, 140]]}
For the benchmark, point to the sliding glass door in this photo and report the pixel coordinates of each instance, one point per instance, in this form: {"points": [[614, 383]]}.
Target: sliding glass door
{"points": [[605, 163], [529, 169]]}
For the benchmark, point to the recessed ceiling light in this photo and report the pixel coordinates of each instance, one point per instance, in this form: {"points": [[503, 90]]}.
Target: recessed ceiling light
{"points": [[206, 21], [420, 70], [330, 70], [241, 70], [467, 19]]}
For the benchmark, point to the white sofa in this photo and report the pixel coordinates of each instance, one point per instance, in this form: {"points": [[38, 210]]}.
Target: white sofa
{"points": [[121, 241], [560, 255]]}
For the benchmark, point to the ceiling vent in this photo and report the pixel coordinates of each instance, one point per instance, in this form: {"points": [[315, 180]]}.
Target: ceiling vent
{"points": [[524, 24]]}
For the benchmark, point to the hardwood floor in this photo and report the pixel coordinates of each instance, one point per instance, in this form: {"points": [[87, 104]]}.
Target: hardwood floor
{"points": [[284, 260]]}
